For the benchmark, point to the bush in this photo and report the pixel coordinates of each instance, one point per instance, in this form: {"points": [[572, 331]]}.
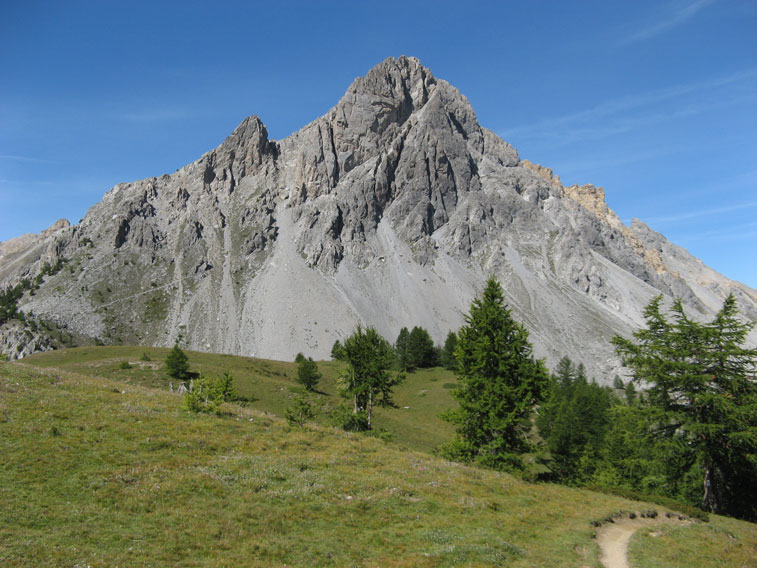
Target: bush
{"points": [[343, 417], [145, 357], [300, 411], [124, 365], [207, 394]]}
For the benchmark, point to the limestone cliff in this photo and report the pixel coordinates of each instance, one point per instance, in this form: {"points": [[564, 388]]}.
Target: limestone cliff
{"points": [[391, 210]]}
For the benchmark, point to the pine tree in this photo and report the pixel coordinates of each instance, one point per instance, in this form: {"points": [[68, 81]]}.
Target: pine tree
{"points": [[177, 363], [500, 382], [702, 397]]}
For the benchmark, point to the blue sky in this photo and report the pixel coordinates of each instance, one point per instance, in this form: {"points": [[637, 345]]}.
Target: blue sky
{"points": [[654, 101]]}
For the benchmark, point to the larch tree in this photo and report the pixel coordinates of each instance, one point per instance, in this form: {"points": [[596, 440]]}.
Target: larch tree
{"points": [[500, 382], [701, 393], [367, 378]]}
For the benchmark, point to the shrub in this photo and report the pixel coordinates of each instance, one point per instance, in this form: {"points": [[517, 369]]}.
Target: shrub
{"points": [[124, 365], [207, 394], [300, 411], [344, 418]]}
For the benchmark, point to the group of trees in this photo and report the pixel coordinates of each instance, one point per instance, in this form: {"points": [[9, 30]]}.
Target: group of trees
{"points": [[684, 425], [573, 421], [11, 295], [413, 349]]}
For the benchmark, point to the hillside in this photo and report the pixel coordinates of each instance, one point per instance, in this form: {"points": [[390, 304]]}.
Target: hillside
{"points": [[390, 210], [272, 386], [99, 471]]}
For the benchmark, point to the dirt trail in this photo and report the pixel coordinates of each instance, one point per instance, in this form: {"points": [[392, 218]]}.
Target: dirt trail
{"points": [[613, 538]]}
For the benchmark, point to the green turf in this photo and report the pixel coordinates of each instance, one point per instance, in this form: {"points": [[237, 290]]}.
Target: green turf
{"points": [[101, 471], [415, 423]]}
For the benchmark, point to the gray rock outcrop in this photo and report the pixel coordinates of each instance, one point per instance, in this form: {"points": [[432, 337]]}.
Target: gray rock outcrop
{"points": [[390, 210]]}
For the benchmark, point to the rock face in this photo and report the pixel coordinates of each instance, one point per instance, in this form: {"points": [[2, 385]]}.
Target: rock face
{"points": [[391, 210]]}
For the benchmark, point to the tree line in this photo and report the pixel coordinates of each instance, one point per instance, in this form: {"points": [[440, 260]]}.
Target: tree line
{"points": [[683, 425]]}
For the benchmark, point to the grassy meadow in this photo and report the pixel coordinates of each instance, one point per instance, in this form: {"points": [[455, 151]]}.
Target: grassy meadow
{"points": [[102, 467], [272, 386]]}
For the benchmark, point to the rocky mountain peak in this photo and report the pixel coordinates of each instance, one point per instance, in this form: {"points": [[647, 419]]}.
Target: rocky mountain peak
{"points": [[395, 87], [391, 210]]}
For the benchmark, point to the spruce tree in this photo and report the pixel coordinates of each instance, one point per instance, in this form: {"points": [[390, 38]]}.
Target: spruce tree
{"points": [[500, 382]]}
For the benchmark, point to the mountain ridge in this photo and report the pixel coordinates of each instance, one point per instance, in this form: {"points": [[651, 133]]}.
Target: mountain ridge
{"points": [[390, 210]]}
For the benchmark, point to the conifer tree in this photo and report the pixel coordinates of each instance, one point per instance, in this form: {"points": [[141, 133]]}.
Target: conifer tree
{"points": [[421, 348], [448, 351], [701, 396], [337, 351], [308, 374], [402, 350], [177, 363], [367, 378], [500, 382]]}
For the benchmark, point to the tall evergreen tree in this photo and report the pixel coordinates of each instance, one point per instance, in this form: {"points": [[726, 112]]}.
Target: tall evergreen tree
{"points": [[402, 350], [448, 351], [421, 348], [702, 396], [500, 382]]}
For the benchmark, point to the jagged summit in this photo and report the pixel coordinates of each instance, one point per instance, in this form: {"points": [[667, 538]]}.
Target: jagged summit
{"points": [[391, 210]]}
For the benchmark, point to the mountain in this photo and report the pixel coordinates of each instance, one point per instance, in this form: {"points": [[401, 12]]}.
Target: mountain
{"points": [[391, 210]]}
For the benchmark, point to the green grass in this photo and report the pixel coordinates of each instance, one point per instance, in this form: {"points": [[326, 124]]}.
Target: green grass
{"points": [[729, 542], [272, 385], [102, 471]]}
